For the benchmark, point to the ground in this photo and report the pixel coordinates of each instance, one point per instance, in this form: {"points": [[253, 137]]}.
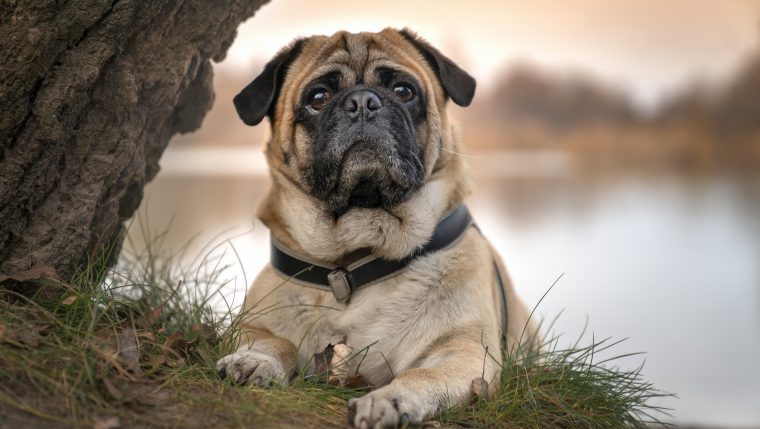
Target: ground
{"points": [[109, 349]]}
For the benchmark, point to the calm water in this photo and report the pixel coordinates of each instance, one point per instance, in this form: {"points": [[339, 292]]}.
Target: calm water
{"points": [[672, 265]]}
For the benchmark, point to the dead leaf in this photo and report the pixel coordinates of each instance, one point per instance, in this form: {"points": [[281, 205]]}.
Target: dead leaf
{"points": [[179, 345], [112, 390], [356, 382], [172, 339], [175, 362], [322, 361], [156, 360], [205, 332], [339, 362], [29, 337], [479, 389], [150, 318], [106, 423], [150, 395], [129, 351], [69, 300], [37, 272]]}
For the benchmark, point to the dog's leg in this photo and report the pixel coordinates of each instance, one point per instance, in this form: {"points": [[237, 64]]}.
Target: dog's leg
{"points": [[442, 378], [262, 359]]}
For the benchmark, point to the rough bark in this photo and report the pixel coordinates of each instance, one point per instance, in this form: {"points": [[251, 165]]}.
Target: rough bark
{"points": [[91, 91]]}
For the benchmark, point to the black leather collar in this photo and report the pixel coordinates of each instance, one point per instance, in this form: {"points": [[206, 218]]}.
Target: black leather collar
{"points": [[343, 281]]}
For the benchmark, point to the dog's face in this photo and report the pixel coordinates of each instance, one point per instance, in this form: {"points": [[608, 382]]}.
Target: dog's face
{"points": [[357, 119]]}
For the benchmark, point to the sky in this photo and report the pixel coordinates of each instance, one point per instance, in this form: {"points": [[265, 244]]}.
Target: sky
{"points": [[649, 47]]}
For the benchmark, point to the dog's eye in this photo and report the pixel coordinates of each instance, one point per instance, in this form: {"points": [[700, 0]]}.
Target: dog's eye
{"points": [[404, 92], [318, 99]]}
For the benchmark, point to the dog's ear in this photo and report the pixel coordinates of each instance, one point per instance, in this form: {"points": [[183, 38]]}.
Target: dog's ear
{"points": [[258, 99], [459, 85]]}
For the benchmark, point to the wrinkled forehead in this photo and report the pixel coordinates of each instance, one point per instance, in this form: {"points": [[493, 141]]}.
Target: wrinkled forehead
{"points": [[357, 57]]}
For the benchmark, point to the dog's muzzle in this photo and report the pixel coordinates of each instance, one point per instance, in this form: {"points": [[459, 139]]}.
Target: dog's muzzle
{"points": [[366, 153]]}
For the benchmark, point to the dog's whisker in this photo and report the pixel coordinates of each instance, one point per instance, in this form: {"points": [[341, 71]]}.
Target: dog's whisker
{"points": [[464, 155]]}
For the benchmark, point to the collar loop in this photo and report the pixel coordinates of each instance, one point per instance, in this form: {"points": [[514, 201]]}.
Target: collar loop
{"points": [[340, 284]]}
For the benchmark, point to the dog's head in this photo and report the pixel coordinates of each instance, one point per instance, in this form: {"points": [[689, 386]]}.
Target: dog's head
{"points": [[357, 119]]}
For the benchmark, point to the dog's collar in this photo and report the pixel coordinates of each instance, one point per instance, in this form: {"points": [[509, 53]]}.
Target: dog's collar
{"points": [[343, 281]]}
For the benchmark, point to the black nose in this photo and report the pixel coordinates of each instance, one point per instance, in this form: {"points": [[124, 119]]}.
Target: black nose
{"points": [[361, 102]]}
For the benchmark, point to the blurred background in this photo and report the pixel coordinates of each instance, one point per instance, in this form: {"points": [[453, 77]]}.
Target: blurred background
{"points": [[617, 142]]}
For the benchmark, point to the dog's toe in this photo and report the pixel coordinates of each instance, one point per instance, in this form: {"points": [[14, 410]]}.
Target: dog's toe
{"points": [[252, 368], [386, 407]]}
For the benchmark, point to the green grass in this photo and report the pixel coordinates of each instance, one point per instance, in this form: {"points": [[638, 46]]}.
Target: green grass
{"points": [[138, 343]]}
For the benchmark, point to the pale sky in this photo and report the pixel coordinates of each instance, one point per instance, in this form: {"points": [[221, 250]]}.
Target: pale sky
{"points": [[648, 46]]}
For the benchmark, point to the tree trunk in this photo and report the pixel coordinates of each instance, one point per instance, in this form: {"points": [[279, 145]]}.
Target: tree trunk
{"points": [[91, 92]]}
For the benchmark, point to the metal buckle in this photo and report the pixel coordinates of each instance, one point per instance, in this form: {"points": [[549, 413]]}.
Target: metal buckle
{"points": [[341, 288]]}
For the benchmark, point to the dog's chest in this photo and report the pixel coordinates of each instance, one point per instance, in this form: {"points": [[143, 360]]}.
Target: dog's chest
{"points": [[386, 325]]}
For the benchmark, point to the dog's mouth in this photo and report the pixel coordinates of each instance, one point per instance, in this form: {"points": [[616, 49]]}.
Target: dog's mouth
{"points": [[372, 174], [366, 193]]}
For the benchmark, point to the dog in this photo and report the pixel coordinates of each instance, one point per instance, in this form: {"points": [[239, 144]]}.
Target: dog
{"points": [[367, 262]]}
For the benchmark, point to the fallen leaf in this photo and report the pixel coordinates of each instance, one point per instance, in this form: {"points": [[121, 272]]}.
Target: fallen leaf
{"points": [[37, 272], [69, 300], [150, 318], [479, 389], [129, 351], [205, 332], [179, 345], [156, 360], [105, 423], [150, 395], [112, 390], [175, 362], [356, 382], [172, 339], [339, 362], [30, 338], [322, 361]]}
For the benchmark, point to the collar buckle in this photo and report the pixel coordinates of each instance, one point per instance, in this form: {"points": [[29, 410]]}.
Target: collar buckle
{"points": [[340, 285]]}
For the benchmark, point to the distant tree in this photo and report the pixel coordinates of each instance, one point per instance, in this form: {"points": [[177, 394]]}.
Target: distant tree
{"points": [[731, 109], [558, 101], [689, 105], [91, 92], [737, 109]]}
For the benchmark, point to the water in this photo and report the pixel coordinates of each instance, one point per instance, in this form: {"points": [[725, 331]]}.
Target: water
{"points": [[673, 268], [669, 263]]}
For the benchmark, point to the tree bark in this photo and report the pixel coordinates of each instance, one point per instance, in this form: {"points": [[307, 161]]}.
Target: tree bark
{"points": [[91, 92]]}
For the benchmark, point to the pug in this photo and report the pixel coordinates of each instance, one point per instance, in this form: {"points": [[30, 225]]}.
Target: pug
{"points": [[374, 256]]}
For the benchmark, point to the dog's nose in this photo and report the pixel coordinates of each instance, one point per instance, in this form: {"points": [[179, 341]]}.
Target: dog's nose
{"points": [[361, 102]]}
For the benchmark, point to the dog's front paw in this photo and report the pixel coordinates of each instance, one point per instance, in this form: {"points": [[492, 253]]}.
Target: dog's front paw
{"points": [[388, 407], [252, 368]]}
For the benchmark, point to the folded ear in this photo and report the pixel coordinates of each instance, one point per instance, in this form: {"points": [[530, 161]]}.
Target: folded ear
{"points": [[459, 85], [257, 100]]}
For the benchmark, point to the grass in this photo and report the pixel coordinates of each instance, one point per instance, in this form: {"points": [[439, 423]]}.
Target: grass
{"points": [[110, 349]]}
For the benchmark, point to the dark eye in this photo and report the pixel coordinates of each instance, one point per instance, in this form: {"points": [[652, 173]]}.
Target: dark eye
{"points": [[404, 92], [318, 99]]}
